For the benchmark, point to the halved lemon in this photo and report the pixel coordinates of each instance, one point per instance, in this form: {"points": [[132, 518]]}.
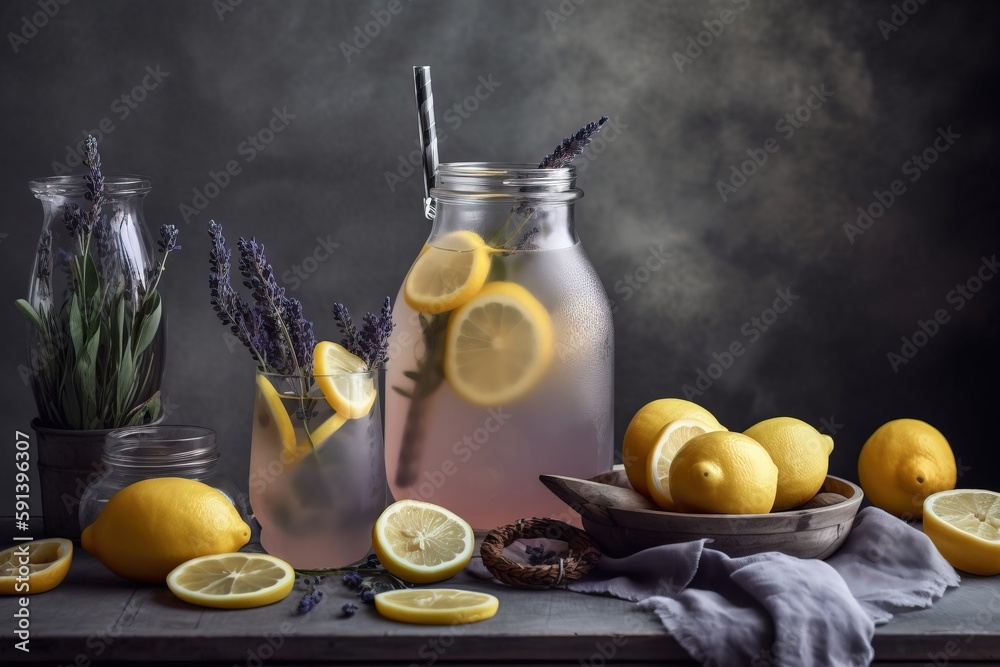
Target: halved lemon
{"points": [[436, 606], [271, 413], [669, 441], [45, 562], [448, 273], [421, 542], [964, 525], [232, 581], [343, 377], [498, 345]]}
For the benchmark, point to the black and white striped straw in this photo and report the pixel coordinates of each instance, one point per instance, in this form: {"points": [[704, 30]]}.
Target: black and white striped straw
{"points": [[428, 132]]}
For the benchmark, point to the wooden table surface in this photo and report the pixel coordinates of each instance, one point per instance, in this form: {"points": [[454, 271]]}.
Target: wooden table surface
{"points": [[95, 616]]}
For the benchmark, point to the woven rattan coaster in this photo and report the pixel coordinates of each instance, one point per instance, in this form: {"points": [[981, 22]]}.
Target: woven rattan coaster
{"points": [[580, 557]]}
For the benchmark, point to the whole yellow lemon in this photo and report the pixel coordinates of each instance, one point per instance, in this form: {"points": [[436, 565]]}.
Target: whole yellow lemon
{"points": [[723, 473], [150, 527], [904, 462], [801, 453]]}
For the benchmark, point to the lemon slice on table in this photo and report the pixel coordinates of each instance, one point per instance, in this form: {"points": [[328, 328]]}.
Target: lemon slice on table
{"points": [[421, 542], [232, 581], [48, 563], [498, 346], [337, 373], [964, 525], [271, 412], [447, 274], [436, 606], [669, 441]]}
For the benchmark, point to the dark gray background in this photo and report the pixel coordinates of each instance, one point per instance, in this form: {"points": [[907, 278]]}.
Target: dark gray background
{"points": [[324, 176]]}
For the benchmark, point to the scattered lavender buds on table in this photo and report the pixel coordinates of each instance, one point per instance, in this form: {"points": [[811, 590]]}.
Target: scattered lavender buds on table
{"points": [[349, 609], [367, 595], [310, 600], [572, 147], [352, 579]]}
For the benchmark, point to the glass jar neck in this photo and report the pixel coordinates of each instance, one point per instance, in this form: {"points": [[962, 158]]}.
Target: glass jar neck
{"points": [[511, 206]]}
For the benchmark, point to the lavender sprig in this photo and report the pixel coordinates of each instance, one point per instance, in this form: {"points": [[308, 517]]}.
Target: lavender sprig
{"points": [[372, 342], [310, 600], [168, 239], [234, 312], [572, 147], [81, 223]]}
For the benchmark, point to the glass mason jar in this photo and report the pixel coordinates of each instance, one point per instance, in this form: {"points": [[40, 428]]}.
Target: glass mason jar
{"points": [[317, 472], [502, 357], [95, 278], [142, 452]]}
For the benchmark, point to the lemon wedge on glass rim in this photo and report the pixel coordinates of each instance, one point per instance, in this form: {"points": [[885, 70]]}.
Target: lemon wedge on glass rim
{"points": [[498, 345], [232, 581], [343, 377], [421, 542], [436, 606], [447, 274], [48, 564]]}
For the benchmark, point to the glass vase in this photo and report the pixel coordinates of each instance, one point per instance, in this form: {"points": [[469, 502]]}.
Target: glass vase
{"points": [[317, 468], [96, 336], [502, 363]]}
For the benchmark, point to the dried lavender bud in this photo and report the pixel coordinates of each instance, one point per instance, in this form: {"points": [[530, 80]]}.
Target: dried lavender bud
{"points": [[572, 147], [349, 609], [168, 239], [372, 561], [350, 333], [352, 579], [310, 600], [300, 330], [243, 322], [374, 336], [367, 595]]}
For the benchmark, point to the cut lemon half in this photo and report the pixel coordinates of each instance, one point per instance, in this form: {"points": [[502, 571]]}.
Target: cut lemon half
{"points": [[964, 525], [344, 378], [668, 442], [422, 543], [46, 563], [436, 606], [271, 413], [232, 581], [447, 274], [498, 346]]}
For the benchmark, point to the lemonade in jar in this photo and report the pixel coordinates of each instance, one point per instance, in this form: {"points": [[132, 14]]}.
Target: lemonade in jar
{"points": [[501, 362]]}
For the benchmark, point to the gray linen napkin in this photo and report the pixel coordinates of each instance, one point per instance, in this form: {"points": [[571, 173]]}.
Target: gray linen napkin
{"points": [[772, 609], [775, 610]]}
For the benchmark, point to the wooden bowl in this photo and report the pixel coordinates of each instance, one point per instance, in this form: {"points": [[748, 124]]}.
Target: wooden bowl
{"points": [[622, 522]]}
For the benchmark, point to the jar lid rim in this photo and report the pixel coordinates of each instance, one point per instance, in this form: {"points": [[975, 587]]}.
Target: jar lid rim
{"points": [[68, 186]]}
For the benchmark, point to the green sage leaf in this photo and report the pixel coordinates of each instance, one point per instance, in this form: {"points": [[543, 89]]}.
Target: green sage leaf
{"points": [[149, 326], [30, 314]]}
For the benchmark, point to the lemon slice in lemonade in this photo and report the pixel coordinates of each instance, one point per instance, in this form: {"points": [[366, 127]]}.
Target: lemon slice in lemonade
{"points": [[669, 441], [498, 345], [48, 564], [337, 373], [436, 606], [272, 413], [964, 525], [447, 274], [232, 581], [421, 542]]}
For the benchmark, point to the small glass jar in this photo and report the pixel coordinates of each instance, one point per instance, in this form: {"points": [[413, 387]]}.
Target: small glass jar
{"points": [[142, 452]]}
